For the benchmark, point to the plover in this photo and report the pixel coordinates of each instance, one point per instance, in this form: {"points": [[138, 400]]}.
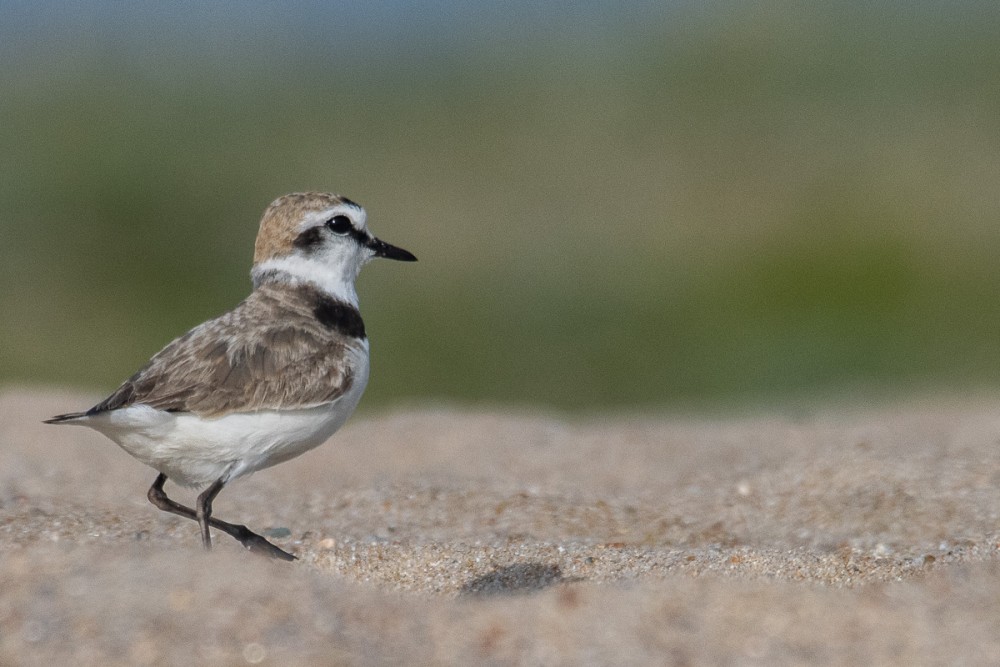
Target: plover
{"points": [[263, 383]]}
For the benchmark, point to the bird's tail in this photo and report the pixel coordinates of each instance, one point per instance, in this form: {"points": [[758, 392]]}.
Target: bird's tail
{"points": [[66, 418]]}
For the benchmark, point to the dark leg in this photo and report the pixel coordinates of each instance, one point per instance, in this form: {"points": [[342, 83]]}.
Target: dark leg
{"points": [[252, 541], [204, 510]]}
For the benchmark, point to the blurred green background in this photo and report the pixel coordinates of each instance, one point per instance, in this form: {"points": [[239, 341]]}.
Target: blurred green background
{"points": [[686, 204]]}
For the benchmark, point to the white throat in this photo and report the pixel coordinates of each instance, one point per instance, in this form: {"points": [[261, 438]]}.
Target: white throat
{"points": [[335, 280]]}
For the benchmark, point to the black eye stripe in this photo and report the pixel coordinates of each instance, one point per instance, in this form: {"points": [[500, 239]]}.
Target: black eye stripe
{"points": [[359, 236], [309, 239], [338, 224]]}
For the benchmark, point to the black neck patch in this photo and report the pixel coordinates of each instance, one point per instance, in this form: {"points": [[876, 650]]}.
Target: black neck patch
{"points": [[339, 316]]}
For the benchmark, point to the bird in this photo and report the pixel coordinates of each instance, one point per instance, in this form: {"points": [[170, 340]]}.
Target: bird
{"points": [[263, 383]]}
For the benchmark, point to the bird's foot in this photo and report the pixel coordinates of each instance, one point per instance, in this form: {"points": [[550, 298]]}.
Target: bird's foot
{"points": [[254, 543]]}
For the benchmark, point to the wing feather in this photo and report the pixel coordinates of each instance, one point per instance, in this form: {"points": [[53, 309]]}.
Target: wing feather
{"points": [[270, 352]]}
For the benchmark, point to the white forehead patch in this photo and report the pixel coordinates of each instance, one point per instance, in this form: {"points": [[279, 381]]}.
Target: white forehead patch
{"points": [[350, 209]]}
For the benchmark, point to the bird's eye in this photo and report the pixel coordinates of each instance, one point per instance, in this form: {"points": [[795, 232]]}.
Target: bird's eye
{"points": [[339, 224]]}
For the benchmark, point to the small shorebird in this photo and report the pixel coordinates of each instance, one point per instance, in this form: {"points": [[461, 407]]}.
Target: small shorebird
{"points": [[263, 383]]}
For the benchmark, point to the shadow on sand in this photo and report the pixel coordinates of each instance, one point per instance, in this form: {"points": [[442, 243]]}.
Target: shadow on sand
{"points": [[514, 579]]}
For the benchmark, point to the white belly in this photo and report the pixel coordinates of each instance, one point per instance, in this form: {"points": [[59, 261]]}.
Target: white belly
{"points": [[195, 452]]}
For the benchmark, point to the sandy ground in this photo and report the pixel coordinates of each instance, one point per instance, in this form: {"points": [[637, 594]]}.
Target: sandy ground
{"points": [[451, 537]]}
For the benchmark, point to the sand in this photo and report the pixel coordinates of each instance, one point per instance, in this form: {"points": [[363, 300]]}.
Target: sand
{"points": [[505, 537]]}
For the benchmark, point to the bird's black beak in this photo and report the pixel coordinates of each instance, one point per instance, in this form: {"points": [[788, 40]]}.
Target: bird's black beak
{"points": [[383, 249]]}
